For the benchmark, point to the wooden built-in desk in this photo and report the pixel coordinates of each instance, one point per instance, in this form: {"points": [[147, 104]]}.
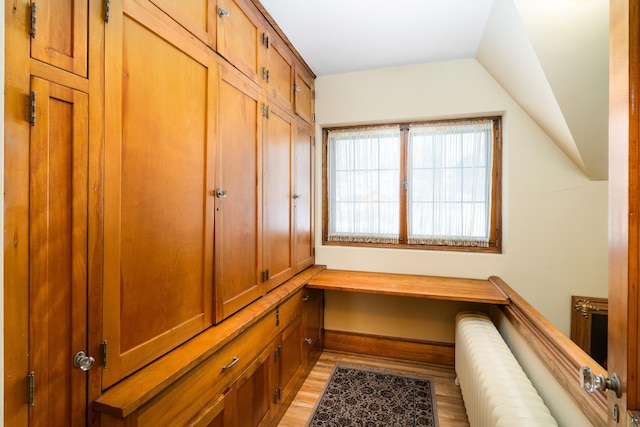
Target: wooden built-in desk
{"points": [[443, 288]]}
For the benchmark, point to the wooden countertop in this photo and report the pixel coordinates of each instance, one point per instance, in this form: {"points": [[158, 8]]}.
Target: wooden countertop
{"points": [[442, 288]]}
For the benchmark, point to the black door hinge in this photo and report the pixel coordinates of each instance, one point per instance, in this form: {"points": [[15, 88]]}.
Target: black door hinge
{"points": [[104, 354], [32, 108], [31, 388], [107, 7], [33, 21]]}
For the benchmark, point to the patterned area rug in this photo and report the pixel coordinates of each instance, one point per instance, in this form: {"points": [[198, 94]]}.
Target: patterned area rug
{"points": [[362, 397]]}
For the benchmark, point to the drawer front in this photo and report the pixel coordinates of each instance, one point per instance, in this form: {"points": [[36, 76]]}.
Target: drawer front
{"points": [[181, 402]]}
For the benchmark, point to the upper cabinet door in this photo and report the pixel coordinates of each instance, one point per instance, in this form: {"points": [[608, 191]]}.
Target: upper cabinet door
{"points": [[303, 197], [59, 34], [303, 94], [158, 174], [239, 31], [277, 197], [197, 16], [277, 74], [238, 187]]}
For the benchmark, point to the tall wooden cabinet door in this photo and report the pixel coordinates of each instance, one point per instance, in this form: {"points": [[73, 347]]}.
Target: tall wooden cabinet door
{"points": [[59, 33], [304, 95], [278, 72], [303, 167], [277, 197], [238, 188], [158, 173], [239, 36], [58, 255]]}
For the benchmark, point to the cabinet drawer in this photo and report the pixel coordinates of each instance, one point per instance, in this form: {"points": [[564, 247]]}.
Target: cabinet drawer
{"points": [[191, 395], [298, 304]]}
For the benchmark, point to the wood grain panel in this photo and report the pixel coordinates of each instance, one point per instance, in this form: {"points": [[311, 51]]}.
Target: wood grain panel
{"points": [[61, 34], [303, 166], [374, 345], [238, 231], [159, 166], [58, 254], [276, 199], [445, 288]]}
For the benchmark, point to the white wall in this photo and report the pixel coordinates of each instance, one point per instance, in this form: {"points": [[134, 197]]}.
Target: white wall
{"points": [[554, 218]]}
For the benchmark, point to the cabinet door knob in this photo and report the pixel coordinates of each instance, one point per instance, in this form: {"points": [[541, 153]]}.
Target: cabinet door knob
{"points": [[308, 340], [223, 13], [219, 193], [82, 361]]}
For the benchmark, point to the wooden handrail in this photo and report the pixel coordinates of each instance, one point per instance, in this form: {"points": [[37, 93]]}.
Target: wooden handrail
{"points": [[560, 355]]}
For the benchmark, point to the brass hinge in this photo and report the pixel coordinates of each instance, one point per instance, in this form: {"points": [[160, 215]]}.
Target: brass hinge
{"points": [[313, 94], [278, 316], [33, 21], [265, 74], [31, 388], [314, 117], [265, 113], [104, 354], [265, 40], [32, 108], [107, 7], [265, 275]]}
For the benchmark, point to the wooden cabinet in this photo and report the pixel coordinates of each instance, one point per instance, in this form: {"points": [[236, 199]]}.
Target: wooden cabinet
{"points": [[277, 201], [240, 30], [249, 381], [303, 206], [290, 362], [158, 176], [277, 74], [304, 94], [58, 254], [313, 325], [250, 395], [59, 33], [151, 201], [238, 214]]}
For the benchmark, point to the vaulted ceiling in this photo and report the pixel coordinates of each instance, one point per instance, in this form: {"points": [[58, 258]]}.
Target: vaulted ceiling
{"points": [[551, 56]]}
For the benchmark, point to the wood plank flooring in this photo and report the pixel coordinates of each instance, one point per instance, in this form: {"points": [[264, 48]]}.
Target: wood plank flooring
{"points": [[451, 412]]}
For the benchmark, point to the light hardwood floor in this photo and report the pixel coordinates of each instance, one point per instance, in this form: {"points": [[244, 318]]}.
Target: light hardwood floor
{"points": [[451, 412]]}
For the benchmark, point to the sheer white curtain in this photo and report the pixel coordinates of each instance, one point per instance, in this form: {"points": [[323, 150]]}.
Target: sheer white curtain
{"points": [[364, 177], [450, 170]]}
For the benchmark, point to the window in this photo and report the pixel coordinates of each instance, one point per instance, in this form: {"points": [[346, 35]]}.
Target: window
{"points": [[432, 185]]}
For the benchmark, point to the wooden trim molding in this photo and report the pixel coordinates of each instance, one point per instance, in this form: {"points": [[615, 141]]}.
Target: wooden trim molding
{"points": [[397, 348], [560, 355]]}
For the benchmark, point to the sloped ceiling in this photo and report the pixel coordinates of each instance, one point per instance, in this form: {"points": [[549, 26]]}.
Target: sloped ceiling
{"points": [[551, 56]]}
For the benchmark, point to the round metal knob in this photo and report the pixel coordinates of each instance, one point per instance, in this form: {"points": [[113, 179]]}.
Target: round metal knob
{"points": [[82, 361]]}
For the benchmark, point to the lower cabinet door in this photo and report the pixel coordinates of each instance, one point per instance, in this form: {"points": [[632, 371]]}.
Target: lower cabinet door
{"points": [[250, 401]]}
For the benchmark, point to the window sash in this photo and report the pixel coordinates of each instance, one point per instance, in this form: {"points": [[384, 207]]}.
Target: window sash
{"points": [[449, 183], [364, 167]]}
